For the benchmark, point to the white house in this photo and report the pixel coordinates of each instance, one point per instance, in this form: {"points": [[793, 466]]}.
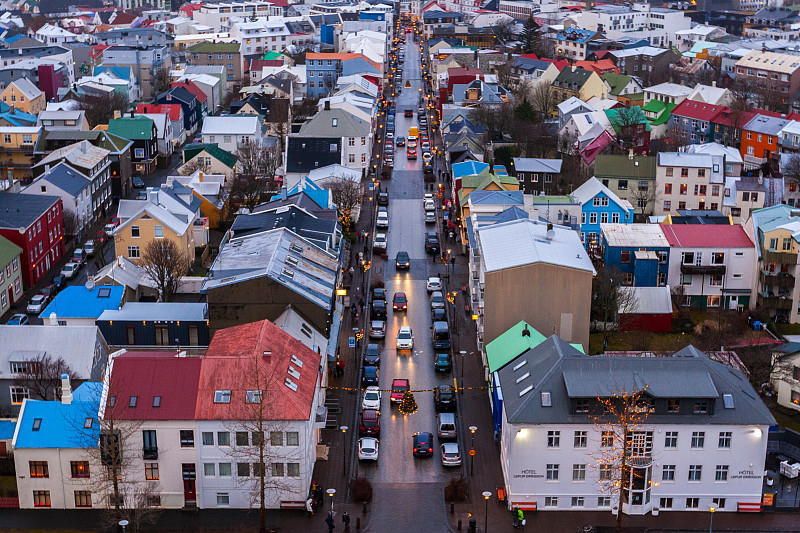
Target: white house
{"points": [[51, 35], [785, 376], [699, 440], [230, 131], [689, 181], [714, 265]]}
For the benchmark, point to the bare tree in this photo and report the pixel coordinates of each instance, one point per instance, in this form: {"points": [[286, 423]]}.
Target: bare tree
{"points": [[161, 80], [100, 107], [70, 222], [608, 299], [626, 445], [192, 166], [165, 263], [643, 197], [255, 175], [791, 170], [346, 194], [627, 122], [541, 98], [534, 140], [41, 376]]}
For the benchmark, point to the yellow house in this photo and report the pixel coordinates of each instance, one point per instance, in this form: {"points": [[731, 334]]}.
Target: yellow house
{"points": [[483, 181], [23, 95], [164, 215], [16, 147], [574, 81]]}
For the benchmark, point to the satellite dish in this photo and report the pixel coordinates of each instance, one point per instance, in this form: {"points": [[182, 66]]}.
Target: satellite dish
{"points": [[21, 231], [90, 283]]}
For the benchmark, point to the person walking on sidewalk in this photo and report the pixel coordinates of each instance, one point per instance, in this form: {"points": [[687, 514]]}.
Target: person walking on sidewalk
{"points": [[310, 507], [346, 522], [329, 521], [520, 518]]}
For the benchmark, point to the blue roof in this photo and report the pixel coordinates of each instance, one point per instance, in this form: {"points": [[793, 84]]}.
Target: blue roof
{"points": [[468, 168], [7, 429], [67, 179], [500, 170], [76, 301], [61, 425], [319, 195], [510, 214], [123, 73], [575, 34], [17, 118]]}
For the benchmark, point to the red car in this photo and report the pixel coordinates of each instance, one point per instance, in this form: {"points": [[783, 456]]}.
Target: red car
{"points": [[399, 388], [411, 154], [400, 302]]}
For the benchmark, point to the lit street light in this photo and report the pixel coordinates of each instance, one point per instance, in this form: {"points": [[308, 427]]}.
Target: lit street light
{"points": [[711, 520], [472, 430], [486, 496], [331, 492], [344, 449]]}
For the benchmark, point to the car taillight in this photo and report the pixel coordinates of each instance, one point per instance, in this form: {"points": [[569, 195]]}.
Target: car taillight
{"points": [[415, 450], [430, 450]]}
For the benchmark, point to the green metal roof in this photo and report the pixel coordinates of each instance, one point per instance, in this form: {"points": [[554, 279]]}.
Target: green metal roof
{"points": [[132, 128], [617, 82], [512, 343], [554, 199], [207, 47], [620, 166], [8, 251], [223, 156], [614, 117], [661, 109]]}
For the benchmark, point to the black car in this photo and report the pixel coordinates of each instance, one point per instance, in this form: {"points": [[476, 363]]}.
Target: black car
{"points": [[408, 113], [423, 444], [379, 293], [60, 282], [444, 398], [431, 242], [369, 376], [427, 167], [378, 311], [383, 198], [402, 261], [438, 315], [373, 355]]}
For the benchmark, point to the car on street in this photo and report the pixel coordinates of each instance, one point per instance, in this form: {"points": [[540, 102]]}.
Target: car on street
{"points": [[423, 444], [70, 270], [379, 293], [141, 195], [88, 247], [408, 113], [433, 284], [389, 161], [441, 362], [426, 145], [421, 111], [426, 157], [427, 166], [59, 281], [438, 315], [405, 338], [402, 261], [429, 205], [137, 182], [400, 301], [432, 242], [444, 398], [377, 329], [437, 300], [378, 310], [411, 153], [372, 355], [400, 141], [369, 376], [451, 455], [369, 422], [379, 244], [389, 147], [383, 198], [368, 449], [428, 196], [399, 388], [430, 217], [389, 136], [382, 221], [37, 304], [49, 290], [78, 256], [372, 399], [18, 320]]}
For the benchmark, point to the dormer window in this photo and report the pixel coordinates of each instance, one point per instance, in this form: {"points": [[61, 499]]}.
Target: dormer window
{"points": [[222, 396], [156, 402], [133, 401], [37, 423]]}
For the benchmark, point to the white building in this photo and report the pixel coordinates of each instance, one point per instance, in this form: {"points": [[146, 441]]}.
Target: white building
{"points": [[689, 181], [230, 131], [261, 36], [54, 35], [669, 93], [222, 16], [700, 442], [658, 25]]}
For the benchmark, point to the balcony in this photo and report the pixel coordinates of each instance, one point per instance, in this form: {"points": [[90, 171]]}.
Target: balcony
{"points": [[771, 256], [775, 302], [718, 270], [782, 279]]}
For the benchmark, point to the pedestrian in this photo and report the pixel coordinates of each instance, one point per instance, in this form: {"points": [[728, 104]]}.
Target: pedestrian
{"points": [[310, 506], [329, 521], [346, 522], [341, 368], [320, 496], [520, 518]]}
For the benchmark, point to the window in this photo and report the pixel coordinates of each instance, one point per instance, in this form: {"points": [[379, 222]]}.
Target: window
{"points": [[135, 232], [39, 469], [721, 474], [18, 394], [41, 498], [276, 438], [717, 258], [552, 472], [582, 405], [625, 256], [277, 470], [551, 501], [787, 244], [578, 472], [223, 438], [725, 439], [667, 205], [684, 172], [158, 230], [243, 469], [293, 469], [695, 472], [673, 406], [222, 396], [187, 438], [577, 501], [615, 217], [223, 498], [83, 498], [292, 438], [604, 501], [553, 439], [667, 188], [606, 471], [580, 439], [684, 189], [692, 503], [253, 396], [242, 438], [208, 438], [257, 438], [133, 252], [671, 439], [133, 401], [151, 471], [607, 439], [150, 444], [665, 503], [701, 406], [668, 473], [698, 439], [719, 503], [79, 469], [225, 469], [209, 469]]}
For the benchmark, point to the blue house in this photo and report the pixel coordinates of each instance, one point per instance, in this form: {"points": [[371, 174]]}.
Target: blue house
{"points": [[600, 206], [78, 305], [639, 251], [323, 70]]}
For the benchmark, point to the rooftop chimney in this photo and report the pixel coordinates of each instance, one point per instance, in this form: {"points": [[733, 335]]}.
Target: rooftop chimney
{"points": [[526, 332], [327, 105], [53, 319], [66, 390], [200, 176]]}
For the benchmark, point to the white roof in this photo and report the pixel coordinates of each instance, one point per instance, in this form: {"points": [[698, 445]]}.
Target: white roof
{"points": [[523, 242], [126, 273], [323, 173], [646, 300], [601, 104], [231, 125], [641, 50], [573, 102], [75, 344], [27, 87], [709, 94], [54, 31], [732, 155], [770, 61], [670, 89], [592, 187], [634, 235]]}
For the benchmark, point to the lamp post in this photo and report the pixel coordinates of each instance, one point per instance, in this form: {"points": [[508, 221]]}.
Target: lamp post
{"points": [[472, 430], [123, 524], [331, 492], [486, 496], [711, 520], [344, 449], [463, 355]]}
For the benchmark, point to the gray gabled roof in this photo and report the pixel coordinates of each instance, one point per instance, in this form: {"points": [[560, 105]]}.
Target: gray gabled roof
{"points": [[22, 210], [557, 368], [65, 178]]}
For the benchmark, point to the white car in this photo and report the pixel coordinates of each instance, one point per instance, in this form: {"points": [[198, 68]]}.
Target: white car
{"points": [[405, 339], [429, 205], [426, 157], [389, 135], [379, 244], [367, 449], [37, 304], [383, 220], [426, 145], [451, 456], [428, 196], [70, 270], [372, 399], [434, 284], [430, 217]]}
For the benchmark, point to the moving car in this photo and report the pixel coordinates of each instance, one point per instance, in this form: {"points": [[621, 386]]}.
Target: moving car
{"points": [[451, 456], [430, 205], [437, 300], [378, 310], [377, 329], [444, 398], [37, 304], [426, 157], [18, 320], [428, 196], [442, 362], [432, 242], [368, 449], [379, 244], [369, 376], [402, 261], [423, 444], [400, 301], [405, 338], [383, 221], [372, 399], [434, 284], [408, 113], [372, 356], [399, 388], [379, 293], [70, 270], [400, 141], [369, 422], [411, 153], [427, 167]]}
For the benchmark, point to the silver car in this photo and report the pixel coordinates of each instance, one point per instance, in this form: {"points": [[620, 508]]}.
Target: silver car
{"points": [[437, 300], [367, 449], [451, 456], [37, 304]]}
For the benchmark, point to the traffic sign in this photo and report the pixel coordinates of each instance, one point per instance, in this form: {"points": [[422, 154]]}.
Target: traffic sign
{"points": [[472, 452], [371, 186], [351, 341]]}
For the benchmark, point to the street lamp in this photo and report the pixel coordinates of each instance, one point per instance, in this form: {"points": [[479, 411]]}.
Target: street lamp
{"points": [[486, 496], [123, 524], [472, 430], [463, 355], [711, 520], [344, 449]]}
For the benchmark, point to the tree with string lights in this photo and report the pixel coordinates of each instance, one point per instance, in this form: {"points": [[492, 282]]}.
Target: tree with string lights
{"points": [[409, 404]]}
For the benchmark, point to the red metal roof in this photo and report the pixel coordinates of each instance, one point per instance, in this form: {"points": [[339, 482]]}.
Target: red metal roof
{"points": [[97, 50], [706, 236], [149, 374], [600, 66], [259, 64], [530, 56], [236, 358], [174, 110], [192, 88], [728, 118], [699, 110]]}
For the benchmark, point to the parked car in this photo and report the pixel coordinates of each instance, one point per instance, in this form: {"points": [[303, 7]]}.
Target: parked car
{"points": [[368, 449], [382, 221], [438, 315], [378, 311], [369, 422], [59, 282], [379, 244], [78, 256], [49, 290], [432, 242], [379, 293], [377, 329], [70, 270], [402, 260], [383, 198], [430, 205], [427, 157], [434, 284], [441, 362], [430, 217], [423, 444], [444, 398], [88, 247], [372, 399], [18, 320], [399, 388], [437, 300], [138, 182], [37, 304], [400, 301], [405, 339], [451, 455], [372, 356], [369, 376], [426, 197]]}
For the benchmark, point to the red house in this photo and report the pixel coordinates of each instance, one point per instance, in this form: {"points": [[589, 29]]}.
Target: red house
{"points": [[646, 309], [35, 224]]}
